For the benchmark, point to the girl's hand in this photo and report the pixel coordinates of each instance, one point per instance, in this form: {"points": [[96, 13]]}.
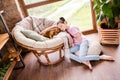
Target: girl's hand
{"points": [[46, 29], [42, 32]]}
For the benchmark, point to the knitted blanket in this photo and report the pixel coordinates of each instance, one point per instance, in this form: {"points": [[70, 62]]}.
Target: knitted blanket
{"points": [[67, 43]]}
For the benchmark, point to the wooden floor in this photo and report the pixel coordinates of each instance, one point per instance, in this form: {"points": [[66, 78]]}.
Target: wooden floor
{"points": [[102, 70]]}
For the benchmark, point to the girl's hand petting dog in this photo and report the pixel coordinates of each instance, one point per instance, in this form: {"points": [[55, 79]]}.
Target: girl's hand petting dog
{"points": [[42, 32], [50, 33]]}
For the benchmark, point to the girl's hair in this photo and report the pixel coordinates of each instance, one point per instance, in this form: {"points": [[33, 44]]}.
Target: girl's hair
{"points": [[61, 20]]}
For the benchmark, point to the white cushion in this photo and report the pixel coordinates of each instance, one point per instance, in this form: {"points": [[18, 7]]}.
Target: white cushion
{"points": [[94, 47], [32, 43]]}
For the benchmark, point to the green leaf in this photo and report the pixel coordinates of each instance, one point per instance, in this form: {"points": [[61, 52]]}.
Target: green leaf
{"points": [[101, 17], [119, 16], [97, 2], [102, 1], [97, 16], [111, 23], [109, 1], [116, 11], [95, 6], [97, 9], [106, 8], [116, 2]]}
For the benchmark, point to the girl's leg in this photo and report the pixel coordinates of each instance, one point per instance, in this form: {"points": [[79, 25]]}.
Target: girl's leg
{"points": [[72, 51], [77, 58], [80, 60], [106, 57], [83, 48], [83, 52], [74, 48], [72, 55], [84, 57]]}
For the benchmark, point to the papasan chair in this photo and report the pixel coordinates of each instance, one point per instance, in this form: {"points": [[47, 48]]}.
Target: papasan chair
{"points": [[47, 51]]}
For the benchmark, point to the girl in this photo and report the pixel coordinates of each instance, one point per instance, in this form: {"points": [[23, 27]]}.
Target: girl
{"points": [[80, 45]]}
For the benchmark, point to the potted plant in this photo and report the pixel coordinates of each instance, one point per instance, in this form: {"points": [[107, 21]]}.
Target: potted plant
{"points": [[108, 15]]}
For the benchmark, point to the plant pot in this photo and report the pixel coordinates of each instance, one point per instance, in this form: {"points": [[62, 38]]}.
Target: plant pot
{"points": [[109, 36]]}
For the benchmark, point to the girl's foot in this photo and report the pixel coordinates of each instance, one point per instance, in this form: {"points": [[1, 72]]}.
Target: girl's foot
{"points": [[87, 63], [105, 57]]}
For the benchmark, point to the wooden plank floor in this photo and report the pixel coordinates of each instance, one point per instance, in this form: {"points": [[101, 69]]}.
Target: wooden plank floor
{"points": [[102, 70]]}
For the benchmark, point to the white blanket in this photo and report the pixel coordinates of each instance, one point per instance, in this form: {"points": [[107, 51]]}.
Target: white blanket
{"points": [[67, 43]]}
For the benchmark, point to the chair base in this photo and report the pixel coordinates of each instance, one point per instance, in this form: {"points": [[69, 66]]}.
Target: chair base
{"points": [[51, 56]]}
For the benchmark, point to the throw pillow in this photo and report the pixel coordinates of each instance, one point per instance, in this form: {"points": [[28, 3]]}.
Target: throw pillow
{"points": [[34, 35], [94, 49]]}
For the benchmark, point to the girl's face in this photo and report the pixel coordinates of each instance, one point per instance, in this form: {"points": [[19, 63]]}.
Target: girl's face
{"points": [[62, 26]]}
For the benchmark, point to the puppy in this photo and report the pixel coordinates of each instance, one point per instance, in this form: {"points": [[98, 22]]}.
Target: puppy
{"points": [[14, 55], [53, 31]]}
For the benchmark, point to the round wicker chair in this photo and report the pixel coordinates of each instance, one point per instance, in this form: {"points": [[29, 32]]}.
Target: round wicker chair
{"points": [[47, 52]]}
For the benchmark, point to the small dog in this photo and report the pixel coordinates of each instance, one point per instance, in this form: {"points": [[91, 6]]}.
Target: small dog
{"points": [[14, 55], [53, 31]]}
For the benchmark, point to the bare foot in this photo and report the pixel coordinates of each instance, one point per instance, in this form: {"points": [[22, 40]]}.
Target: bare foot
{"points": [[105, 57], [87, 63]]}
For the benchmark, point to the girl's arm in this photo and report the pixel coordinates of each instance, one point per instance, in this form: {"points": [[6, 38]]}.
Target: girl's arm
{"points": [[46, 29], [76, 33]]}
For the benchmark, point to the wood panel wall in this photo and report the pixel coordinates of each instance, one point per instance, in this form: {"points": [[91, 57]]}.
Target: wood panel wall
{"points": [[11, 13]]}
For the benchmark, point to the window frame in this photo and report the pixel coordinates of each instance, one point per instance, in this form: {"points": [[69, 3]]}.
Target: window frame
{"points": [[36, 4]]}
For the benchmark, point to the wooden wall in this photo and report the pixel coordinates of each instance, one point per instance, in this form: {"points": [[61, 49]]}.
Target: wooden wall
{"points": [[11, 13]]}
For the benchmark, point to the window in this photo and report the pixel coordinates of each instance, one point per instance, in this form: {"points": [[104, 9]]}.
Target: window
{"points": [[76, 12], [33, 1]]}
